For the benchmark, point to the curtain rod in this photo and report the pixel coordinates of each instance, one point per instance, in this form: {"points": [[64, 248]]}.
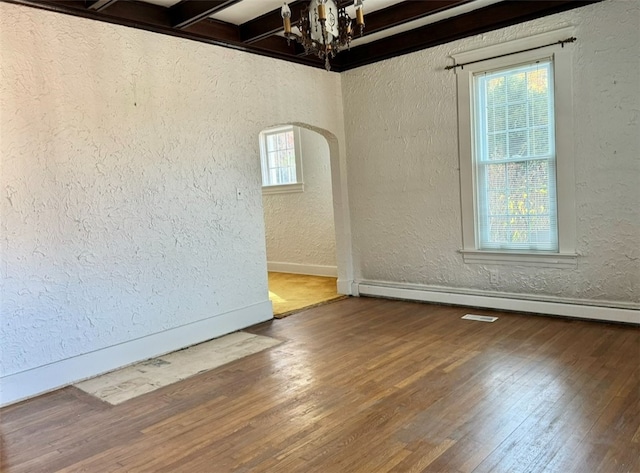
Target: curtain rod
{"points": [[561, 43]]}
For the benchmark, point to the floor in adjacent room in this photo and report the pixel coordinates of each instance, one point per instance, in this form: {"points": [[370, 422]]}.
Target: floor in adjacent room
{"points": [[365, 385], [291, 293]]}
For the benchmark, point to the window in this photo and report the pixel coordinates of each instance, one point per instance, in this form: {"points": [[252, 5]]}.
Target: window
{"points": [[280, 160], [516, 154], [514, 158]]}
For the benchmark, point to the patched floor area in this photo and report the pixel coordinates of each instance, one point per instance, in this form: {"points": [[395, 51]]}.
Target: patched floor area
{"points": [[132, 381]]}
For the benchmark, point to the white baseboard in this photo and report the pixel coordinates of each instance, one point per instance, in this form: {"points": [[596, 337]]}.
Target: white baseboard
{"points": [[29, 383], [345, 286], [309, 269], [578, 308]]}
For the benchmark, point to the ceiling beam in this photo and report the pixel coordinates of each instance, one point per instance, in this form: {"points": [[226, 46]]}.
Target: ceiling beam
{"points": [[269, 23], [188, 12], [399, 13], [139, 12], [280, 44], [489, 18], [213, 29], [161, 17], [98, 5]]}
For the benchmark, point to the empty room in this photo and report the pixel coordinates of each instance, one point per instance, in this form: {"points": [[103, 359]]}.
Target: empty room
{"points": [[464, 175]]}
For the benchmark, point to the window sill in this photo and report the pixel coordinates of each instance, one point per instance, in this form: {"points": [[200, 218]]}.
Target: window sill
{"points": [[283, 189], [548, 260]]}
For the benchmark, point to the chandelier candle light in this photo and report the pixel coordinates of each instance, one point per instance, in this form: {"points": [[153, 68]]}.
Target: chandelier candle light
{"points": [[325, 28]]}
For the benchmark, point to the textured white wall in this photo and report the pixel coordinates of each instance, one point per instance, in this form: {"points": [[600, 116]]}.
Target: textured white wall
{"points": [[299, 226], [403, 164], [121, 153]]}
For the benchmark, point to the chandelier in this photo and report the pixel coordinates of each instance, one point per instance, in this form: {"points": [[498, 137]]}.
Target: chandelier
{"points": [[325, 28]]}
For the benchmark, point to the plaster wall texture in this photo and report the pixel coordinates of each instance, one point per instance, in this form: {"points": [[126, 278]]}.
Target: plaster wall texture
{"points": [[299, 226], [403, 165], [121, 152]]}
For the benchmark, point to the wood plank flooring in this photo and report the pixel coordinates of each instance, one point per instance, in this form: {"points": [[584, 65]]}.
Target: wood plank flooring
{"points": [[290, 293], [365, 385]]}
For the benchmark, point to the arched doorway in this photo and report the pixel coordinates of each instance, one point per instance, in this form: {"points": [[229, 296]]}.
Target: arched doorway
{"points": [[300, 222]]}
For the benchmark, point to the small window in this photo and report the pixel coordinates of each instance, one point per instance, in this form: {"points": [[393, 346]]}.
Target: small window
{"points": [[280, 160]]}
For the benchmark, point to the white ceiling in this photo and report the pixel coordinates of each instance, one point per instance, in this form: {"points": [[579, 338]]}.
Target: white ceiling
{"points": [[163, 3], [246, 10]]}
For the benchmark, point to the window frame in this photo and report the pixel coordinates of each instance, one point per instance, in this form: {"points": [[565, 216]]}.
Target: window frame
{"points": [[267, 187], [483, 163], [565, 181]]}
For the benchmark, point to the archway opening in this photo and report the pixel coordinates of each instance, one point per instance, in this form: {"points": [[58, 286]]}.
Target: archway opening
{"points": [[299, 217]]}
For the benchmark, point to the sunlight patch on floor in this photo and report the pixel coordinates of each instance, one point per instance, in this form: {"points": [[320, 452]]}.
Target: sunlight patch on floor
{"points": [[291, 293], [273, 297]]}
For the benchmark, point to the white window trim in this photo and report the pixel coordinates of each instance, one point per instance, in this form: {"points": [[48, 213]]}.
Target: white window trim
{"points": [[281, 188], [544, 259], [565, 180]]}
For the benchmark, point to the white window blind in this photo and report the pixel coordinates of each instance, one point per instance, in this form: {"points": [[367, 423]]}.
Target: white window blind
{"points": [[515, 158]]}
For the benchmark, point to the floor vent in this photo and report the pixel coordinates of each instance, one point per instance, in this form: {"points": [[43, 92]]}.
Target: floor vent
{"points": [[480, 318]]}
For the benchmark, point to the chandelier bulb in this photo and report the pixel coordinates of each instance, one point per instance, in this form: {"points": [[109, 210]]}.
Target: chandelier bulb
{"points": [[322, 10], [285, 11], [286, 19], [358, 4]]}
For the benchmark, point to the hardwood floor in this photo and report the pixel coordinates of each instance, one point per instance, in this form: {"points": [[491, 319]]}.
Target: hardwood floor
{"points": [[365, 385], [290, 293]]}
